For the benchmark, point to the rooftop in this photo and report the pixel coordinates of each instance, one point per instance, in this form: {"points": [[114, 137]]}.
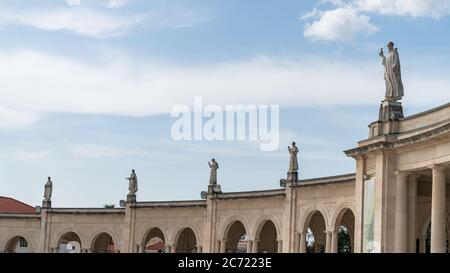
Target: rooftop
{"points": [[11, 205]]}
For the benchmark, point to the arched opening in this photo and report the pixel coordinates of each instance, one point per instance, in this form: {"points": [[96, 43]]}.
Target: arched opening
{"points": [[69, 243], [103, 243], [345, 225], [186, 242], [315, 236], [268, 238], [236, 239], [154, 241], [428, 239], [17, 244]]}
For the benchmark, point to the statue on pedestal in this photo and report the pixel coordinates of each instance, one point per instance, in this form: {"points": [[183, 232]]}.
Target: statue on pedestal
{"points": [[133, 184], [292, 174], [213, 176], [48, 189], [293, 163], [392, 74], [391, 109]]}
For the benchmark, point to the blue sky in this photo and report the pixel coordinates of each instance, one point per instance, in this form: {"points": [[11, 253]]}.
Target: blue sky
{"points": [[87, 88]]}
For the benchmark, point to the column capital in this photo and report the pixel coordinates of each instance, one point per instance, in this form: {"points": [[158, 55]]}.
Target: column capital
{"points": [[402, 173], [301, 232], [437, 167]]}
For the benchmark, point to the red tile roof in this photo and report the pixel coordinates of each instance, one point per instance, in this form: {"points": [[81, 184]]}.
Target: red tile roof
{"points": [[11, 205], [156, 246]]}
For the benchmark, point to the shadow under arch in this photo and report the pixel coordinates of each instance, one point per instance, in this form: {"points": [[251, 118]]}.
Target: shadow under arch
{"points": [[154, 240]]}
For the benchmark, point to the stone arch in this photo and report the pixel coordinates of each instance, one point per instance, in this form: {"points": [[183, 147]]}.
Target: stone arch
{"points": [[152, 233], [54, 242], [177, 231], [304, 223], [11, 244], [93, 233], [233, 236], [344, 216], [267, 235], [186, 240], [261, 221], [104, 242], [316, 221], [339, 212], [70, 236], [230, 221]]}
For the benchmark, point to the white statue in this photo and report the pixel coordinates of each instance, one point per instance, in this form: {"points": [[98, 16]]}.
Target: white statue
{"points": [[392, 74], [133, 184], [293, 163], [214, 166], [48, 190]]}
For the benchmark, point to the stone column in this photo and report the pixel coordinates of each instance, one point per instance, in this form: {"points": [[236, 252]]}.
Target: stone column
{"points": [[223, 245], [302, 240], [422, 244], [401, 213], [173, 249], [255, 246], [199, 249], [167, 248], [279, 246], [249, 245], [141, 248], [334, 241], [438, 212], [328, 242], [89, 250]]}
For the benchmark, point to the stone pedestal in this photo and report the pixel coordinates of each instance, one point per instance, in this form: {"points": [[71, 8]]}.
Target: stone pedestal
{"points": [[292, 178], [390, 110], [131, 198], [46, 204], [214, 188]]}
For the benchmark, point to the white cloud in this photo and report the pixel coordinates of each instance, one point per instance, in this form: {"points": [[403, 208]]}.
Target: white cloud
{"points": [[98, 23], [115, 3], [12, 119], [73, 2], [56, 84], [83, 21], [339, 25], [414, 8], [348, 20]]}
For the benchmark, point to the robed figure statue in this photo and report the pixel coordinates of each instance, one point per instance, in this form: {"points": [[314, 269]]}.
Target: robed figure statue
{"points": [[48, 188], [213, 176], [133, 184], [392, 74]]}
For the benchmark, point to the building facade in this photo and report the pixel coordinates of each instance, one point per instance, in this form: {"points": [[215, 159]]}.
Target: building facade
{"points": [[396, 201]]}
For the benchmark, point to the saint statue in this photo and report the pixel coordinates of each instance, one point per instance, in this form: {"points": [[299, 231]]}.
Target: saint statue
{"points": [[48, 190], [293, 163], [392, 74], [213, 177], [133, 184]]}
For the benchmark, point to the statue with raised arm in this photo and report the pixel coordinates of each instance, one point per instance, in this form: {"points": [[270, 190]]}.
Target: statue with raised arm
{"points": [[392, 74], [48, 188], [213, 176], [293, 163], [133, 184]]}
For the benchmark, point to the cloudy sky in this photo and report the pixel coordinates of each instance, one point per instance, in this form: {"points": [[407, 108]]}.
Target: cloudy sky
{"points": [[86, 88]]}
